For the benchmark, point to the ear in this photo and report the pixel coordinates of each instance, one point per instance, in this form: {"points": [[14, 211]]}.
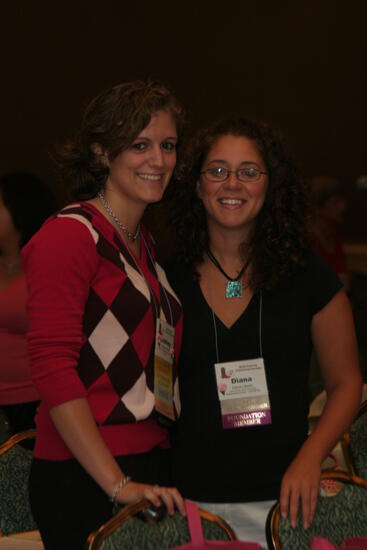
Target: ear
{"points": [[100, 153]]}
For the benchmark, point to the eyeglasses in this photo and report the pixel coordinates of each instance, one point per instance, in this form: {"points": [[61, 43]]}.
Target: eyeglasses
{"points": [[219, 173]]}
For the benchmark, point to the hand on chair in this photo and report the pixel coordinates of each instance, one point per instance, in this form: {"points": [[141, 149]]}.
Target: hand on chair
{"points": [[300, 483], [158, 495]]}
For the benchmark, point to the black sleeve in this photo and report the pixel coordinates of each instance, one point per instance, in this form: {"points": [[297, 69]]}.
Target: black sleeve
{"points": [[322, 282]]}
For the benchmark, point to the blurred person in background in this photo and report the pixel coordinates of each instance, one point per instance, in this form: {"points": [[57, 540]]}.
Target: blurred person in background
{"points": [[25, 203], [328, 207]]}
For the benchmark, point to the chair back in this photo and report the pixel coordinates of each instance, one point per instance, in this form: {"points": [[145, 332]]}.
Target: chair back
{"points": [[15, 462], [127, 530], [354, 444], [340, 514]]}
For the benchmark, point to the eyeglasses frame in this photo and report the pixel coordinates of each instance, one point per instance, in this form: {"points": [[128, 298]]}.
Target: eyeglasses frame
{"points": [[204, 172]]}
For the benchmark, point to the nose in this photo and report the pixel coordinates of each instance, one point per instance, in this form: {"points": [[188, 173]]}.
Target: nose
{"points": [[157, 157], [232, 182]]}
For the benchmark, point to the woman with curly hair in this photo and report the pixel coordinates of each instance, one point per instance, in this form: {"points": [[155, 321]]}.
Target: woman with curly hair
{"points": [[97, 301], [255, 301]]}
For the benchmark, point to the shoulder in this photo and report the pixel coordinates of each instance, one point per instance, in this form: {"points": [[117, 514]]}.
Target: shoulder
{"points": [[318, 281], [66, 237], [86, 216], [317, 268]]}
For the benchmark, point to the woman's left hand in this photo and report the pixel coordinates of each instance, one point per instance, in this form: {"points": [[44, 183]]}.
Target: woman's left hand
{"points": [[157, 494], [300, 483]]}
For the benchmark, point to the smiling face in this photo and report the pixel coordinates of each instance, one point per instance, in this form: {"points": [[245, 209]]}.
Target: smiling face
{"points": [[139, 175], [232, 204]]}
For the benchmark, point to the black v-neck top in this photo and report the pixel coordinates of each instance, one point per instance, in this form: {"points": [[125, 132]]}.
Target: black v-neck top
{"points": [[245, 464]]}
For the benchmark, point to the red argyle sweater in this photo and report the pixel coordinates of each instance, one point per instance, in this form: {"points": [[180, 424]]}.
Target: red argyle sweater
{"points": [[92, 329]]}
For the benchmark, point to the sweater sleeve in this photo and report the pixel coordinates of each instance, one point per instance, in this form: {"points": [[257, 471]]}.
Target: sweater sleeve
{"points": [[60, 263]]}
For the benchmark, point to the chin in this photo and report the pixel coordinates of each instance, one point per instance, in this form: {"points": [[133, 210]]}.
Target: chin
{"points": [[151, 198]]}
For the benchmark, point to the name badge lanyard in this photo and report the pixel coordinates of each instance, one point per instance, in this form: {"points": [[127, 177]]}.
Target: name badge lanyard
{"points": [[163, 351], [242, 388]]}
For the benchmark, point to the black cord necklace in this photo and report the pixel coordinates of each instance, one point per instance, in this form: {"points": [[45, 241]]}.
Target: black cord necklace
{"points": [[233, 285]]}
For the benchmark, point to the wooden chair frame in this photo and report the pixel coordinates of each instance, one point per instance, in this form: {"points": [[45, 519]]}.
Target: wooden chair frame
{"points": [[16, 438]]}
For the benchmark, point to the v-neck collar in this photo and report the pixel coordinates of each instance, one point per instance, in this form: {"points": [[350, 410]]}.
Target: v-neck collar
{"points": [[242, 315]]}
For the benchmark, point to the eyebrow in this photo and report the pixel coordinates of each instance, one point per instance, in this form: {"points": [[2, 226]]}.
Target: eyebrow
{"points": [[149, 139], [245, 162]]}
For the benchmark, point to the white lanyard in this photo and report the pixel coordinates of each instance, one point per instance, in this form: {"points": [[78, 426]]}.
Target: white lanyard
{"points": [[215, 324]]}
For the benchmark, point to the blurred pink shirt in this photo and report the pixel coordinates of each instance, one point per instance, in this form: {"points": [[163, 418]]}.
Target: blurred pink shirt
{"points": [[15, 375]]}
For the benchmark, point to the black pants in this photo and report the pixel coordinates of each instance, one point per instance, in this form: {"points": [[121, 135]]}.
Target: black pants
{"points": [[67, 504]]}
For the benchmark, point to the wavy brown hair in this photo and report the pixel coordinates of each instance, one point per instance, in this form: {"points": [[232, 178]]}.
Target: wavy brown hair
{"points": [[112, 120], [280, 241]]}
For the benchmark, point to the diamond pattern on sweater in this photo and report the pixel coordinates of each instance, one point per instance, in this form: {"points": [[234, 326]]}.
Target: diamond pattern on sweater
{"points": [[120, 412], [143, 343], [108, 338], [97, 396], [95, 309], [134, 305], [135, 278], [125, 368], [90, 367], [139, 400], [108, 250], [117, 357]]}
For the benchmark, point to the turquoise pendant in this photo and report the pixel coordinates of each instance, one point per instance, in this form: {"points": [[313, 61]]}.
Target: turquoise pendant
{"points": [[233, 289]]}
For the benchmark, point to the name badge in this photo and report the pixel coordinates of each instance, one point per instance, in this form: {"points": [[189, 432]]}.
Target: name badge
{"points": [[243, 393], [163, 369]]}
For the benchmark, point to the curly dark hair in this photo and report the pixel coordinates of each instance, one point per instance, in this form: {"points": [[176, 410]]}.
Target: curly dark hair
{"points": [[112, 120], [29, 200], [280, 241]]}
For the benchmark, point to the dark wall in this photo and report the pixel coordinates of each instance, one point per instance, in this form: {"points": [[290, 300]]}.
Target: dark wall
{"points": [[299, 65]]}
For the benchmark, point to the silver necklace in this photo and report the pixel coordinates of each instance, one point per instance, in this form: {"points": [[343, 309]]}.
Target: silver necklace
{"points": [[131, 236]]}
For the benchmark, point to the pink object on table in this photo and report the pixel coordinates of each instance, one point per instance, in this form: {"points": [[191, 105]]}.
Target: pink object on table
{"points": [[197, 537], [350, 543]]}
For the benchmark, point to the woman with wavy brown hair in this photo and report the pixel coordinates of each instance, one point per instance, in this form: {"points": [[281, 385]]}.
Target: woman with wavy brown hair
{"points": [[97, 299], [255, 300]]}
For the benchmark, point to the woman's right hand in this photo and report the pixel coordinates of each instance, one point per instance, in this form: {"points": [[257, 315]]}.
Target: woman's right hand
{"points": [[169, 496]]}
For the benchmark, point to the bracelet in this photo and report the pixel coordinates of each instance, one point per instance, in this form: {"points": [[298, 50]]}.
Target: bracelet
{"points": [[120, 485]]}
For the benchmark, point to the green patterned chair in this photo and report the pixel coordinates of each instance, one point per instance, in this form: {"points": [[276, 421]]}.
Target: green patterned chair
{"points": [[127, 531], [15, 462], [340, 514], [354, 444]]}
